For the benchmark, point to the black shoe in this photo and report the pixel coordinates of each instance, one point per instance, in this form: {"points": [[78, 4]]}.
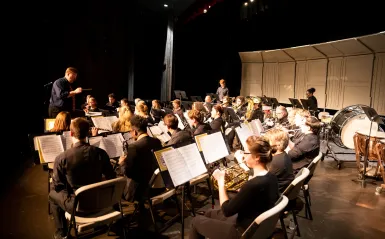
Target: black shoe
{"points": [[59, 234]]}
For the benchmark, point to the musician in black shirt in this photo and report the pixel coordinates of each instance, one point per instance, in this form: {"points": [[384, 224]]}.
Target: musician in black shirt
{"points": [[313, 105], [81, 165], [255, 197]]}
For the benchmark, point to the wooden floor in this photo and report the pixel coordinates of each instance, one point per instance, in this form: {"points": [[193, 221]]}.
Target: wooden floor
{"points": [[341, 207]]}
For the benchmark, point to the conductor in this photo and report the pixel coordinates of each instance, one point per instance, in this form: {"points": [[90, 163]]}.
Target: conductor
{"points": [[62, 95]]}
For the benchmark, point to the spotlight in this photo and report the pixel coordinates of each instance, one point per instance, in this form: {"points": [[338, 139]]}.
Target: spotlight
{"points": [[204, 11], [165, 5], [245, 4], [209, 6], [251, 0]]}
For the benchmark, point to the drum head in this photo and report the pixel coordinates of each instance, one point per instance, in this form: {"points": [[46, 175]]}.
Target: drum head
{"points": [[359, 123]]}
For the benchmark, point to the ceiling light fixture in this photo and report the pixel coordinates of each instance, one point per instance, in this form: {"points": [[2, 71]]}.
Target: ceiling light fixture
{"points": [[165, 5], [204, 11], [245, 4]]}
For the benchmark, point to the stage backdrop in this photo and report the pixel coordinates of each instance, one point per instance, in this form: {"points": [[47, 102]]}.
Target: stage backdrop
{"points": [[344, 72]]}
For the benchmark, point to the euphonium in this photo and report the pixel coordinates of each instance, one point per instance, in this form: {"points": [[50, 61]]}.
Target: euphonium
{"points": [[234, 179], [251, 100]]}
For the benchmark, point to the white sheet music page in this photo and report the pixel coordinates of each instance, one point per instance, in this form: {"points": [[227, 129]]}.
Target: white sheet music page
{"points": [[254, 128], [243, 134], [259, 125], [156, 130], [193, 160], [163, 127], [176, 166], [95, 141], [213, 147], [164, 137], [113, 145], [180, 123], [51, 146], [111, 119], [66, 139], [102, 123]]}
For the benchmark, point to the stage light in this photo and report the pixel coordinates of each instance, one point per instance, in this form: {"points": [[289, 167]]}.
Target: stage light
{"points": [[209, 6], [165, 5], [204, 11], [251, 0], [245, 4]]}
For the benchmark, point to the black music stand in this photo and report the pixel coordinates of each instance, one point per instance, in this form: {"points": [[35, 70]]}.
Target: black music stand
{"points": [[265, 100], [187, 105], [213, 96], [372, 116], [180, 94], [196, 98], [274, 102], [305, 104], [295, 103]]}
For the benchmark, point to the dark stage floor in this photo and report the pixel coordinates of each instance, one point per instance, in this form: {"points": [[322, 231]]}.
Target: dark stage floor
{"points": [[340, 207]]}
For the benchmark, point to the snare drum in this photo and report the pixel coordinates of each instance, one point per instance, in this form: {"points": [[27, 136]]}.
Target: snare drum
{"points": [[346, 122]]}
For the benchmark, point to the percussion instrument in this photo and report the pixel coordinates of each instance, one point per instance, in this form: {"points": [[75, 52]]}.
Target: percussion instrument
{"points": [[380, 150], [359, 139], [346, 122]]}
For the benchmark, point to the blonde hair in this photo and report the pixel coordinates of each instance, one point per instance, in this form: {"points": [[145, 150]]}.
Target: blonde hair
{"points": [[279, 139], [123, 124], [195, 114], [62, 122]]}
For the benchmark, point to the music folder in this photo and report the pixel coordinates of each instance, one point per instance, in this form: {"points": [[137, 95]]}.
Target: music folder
{"points": [[51, 145], [212, 146], [182, 163], [295, 103]]}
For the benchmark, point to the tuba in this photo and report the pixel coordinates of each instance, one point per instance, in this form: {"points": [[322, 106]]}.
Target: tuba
{"points": [[234, 179], [251, 100]]}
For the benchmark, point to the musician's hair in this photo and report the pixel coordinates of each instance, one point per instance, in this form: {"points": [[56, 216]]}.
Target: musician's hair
{"points": [[72, 70], [279, 139], [142, 109], [222, 81], [291, 116], [199, 106], [123, 124], [170, 120], [125, 100], [80, 128], [62, 122], [177, 102], [260, 147], [303, 113], [137, 100], [219, 109], [283, 108], [313, 123], [112, 95], [139, 123], [195, 114], [242, 98], [311, 90], [156, 104]]}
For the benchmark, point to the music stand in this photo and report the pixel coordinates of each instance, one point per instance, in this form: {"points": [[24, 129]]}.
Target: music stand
{"points": [[180, 94], [265, 100], [196, 98], [295, 103], [274, 102], [187, 105], [372, 116], [213, 96], [305, 104]]}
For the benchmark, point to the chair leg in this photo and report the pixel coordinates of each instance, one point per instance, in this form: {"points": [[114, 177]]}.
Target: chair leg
{"points": [[296, 223], [283, 226], [152, 217], [307, 206], [188, 191], [182, 211], [212, 192]]}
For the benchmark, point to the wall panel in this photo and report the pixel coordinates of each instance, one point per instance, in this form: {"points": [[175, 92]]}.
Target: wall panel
{"points": [[334, 83], [300, 79], [316, 78], [285, 82], [378, 85], [270, 79], [251, 79]]}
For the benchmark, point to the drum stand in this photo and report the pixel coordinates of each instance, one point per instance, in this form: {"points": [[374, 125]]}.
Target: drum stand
{"points": [[326, 129]]}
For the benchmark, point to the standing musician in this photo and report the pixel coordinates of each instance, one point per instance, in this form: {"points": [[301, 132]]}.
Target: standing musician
{"points": [[313, 105], [62, 94], [222, 90], [254, 197]]}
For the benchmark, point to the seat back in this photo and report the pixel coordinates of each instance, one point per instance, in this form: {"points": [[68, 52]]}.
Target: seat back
{"points": [[312, 166], [264, 225], [292, 191], [98, 196]]}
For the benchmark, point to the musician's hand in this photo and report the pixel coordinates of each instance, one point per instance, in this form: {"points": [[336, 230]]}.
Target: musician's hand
{"points": [[122, 158], [78, 90], [219, 175], [94, 131]]}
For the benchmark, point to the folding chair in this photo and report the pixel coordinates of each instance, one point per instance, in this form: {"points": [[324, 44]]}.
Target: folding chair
{"points": [[96, 202], [264, 225]]}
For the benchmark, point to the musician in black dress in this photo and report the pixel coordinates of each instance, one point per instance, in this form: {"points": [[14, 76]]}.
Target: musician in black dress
{"points": [[255, 197], [313, 105], [218, 124]]}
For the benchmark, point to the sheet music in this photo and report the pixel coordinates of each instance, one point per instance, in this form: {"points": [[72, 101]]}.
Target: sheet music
{"points": [[95, 141], [259, 125], [254, 128], [184, 164], [112, 119], [50, 147], [243, 134], [162, 126], [94, 114], [66, 139], [180, 123], [160, 159], [113, 145], [157, 132], [49, 124], [102, 122], [197, 137], [213, 147]]}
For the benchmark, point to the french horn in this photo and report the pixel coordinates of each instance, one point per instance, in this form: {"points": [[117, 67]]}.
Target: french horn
{"points": [[235, 177]]}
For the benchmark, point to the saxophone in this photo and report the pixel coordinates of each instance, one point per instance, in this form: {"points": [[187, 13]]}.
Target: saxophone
{"points": [[234, 179]]}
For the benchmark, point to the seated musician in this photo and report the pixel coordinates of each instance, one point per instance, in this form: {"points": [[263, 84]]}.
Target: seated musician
{"points": [[156, 112], [282, 120], [62, 122], [197, 122], [112, 103], [141, 110], [123, 124], [177, 108], [299, 117], [304, 151], [281, 165], [226, 101], [254, 197], [177, 135], [78, 166], [137, 162], [217, 124], [240, 107], [257, 112], [92, 106], [208, 104], [200, 107]]}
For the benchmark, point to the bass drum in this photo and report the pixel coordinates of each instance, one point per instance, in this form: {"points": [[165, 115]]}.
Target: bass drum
{"points": [[346, 122]]}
